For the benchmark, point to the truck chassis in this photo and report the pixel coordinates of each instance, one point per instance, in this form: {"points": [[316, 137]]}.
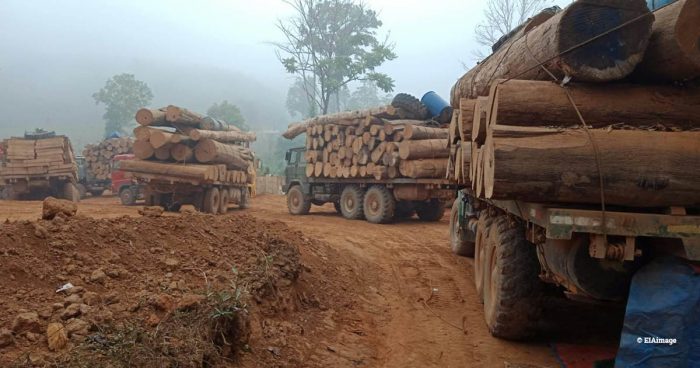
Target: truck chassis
{"points": [[519, 246]]}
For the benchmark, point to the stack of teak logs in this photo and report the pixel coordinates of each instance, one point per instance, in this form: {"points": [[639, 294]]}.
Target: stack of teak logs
{"points": [[380, 143], [98, 156], [630, 143], [176, 142], [49, 157]]}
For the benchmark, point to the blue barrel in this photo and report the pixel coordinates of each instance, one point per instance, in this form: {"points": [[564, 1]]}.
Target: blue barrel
{"points": [[437, 107], [434, 103]]}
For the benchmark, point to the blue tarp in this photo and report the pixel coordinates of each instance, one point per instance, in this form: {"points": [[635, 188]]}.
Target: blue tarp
{"points": [[662, 321], [655, 4]]}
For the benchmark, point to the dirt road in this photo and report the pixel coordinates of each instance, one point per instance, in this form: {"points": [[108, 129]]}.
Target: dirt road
{"points": [[414, 303]]}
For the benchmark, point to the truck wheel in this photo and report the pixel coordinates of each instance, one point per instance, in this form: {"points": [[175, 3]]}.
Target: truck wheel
{"points": [[512, 289], [127, 196], [70, 192], [81, 191], [459, 242], [245, 198], [223, 204], [411, 105], [379, 205], [431, 211], [212, 198], [351, 202], [296, 202], [483, 228]]}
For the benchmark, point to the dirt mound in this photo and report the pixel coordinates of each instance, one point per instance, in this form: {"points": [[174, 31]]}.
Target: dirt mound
{"points": [[193, 290]]}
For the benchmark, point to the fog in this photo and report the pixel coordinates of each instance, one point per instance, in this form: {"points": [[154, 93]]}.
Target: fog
{"points": [[56, 54]]}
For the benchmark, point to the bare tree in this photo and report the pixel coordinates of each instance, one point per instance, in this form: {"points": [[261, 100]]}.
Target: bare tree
{"points": [[500, 17]]}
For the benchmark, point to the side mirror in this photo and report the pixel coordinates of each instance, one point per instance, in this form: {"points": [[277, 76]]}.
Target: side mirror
{"points": [[288, 156]]}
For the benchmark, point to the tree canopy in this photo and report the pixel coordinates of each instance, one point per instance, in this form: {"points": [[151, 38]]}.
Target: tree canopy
{"points": [[229, 113], [331, 43], [122, 95]]}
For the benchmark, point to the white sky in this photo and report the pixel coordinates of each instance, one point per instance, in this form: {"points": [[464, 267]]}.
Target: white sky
{"points": [[431, 37]]}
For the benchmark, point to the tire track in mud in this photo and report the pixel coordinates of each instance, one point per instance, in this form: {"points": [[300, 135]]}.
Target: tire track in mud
{"points": [[420, 297]]}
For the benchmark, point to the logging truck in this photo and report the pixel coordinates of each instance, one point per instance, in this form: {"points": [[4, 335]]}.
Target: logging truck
{"points": [[580, 185], [209, 188], [38, 165], [378, 201]]}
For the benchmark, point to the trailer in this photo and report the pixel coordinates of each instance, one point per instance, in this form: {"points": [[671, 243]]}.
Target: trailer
{"points": [[171, 192], [590, 254], [377, 201]]}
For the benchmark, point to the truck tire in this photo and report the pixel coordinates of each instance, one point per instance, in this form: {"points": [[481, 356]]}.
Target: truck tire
{"points": [[70, 192], [483, 229], [459, 242], [411, 105], [379, 205], [82, 191], [127, 196], [212, 199], [512, 289], [297, 203], [430, 211], [245, 198], [352, 202], [224, 201]]}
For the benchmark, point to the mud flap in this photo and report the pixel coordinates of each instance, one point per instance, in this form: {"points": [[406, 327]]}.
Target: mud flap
{"points": [[662, 323]]}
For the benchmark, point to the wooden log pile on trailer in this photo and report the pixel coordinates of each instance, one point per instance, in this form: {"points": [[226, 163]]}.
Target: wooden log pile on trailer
{"points": [[98, 157], [380, 143], [178, 143], [44, 157], [521, 135]]}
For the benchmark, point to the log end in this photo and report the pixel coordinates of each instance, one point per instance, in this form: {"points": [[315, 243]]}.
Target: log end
{"points": [[609, 57]]}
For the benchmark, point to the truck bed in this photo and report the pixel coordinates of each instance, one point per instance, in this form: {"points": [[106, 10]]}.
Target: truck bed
{"points": [[389, 182]]}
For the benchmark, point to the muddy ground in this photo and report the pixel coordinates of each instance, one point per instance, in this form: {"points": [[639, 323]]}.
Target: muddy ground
{"points": [[362, 294]]}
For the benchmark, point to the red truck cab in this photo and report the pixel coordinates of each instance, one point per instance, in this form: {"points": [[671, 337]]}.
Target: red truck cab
{"points": [[122, 183]]}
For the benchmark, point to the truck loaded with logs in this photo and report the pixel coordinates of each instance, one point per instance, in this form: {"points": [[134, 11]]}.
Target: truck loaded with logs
{"points": [[38, 165], [186, 158], [378, 164], [577, 148]]}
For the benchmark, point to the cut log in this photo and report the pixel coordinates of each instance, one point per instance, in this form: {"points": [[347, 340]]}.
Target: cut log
{"points": [[295, 129], [182, 116], [429, 148], [181, 152], [160, 138], [309, 170], [559, 43], [673, 53], [192, 171], [430, 168], [162, 153], [151, 117], [235, 157], [480, 120], [561, 166], [466, 118], [143, 150], [416, 132], [223, 136], [542, 103]]}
